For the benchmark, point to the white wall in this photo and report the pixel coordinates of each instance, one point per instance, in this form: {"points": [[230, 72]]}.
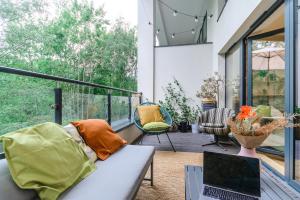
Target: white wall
{"points": [[189, 64], [236, 19], [146, 43]]}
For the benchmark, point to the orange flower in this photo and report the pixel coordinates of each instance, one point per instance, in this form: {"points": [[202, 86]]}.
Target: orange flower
{"points": [[245, 113]]}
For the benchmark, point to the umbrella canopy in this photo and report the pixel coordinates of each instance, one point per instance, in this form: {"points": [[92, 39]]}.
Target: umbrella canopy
{"points": [[269, 58]]}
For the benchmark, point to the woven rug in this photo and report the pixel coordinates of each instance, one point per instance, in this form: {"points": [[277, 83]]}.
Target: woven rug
{"points": [[168, 176]]}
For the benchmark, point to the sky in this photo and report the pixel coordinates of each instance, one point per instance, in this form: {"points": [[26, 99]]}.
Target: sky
{"points": [[120, 8]]}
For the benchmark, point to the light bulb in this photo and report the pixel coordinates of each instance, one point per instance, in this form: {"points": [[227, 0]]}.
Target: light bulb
{"points": [[173, 35], [211, 16], [196, 19], [193, 31], [175, 13], [157, 31]]}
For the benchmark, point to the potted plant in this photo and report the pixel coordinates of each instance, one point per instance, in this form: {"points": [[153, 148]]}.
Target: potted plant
{"points": [[250, 133], [209, 91], [178, 105]]}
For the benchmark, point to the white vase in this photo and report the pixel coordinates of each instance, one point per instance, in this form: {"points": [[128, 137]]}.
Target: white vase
{"points": [[195, 128]]}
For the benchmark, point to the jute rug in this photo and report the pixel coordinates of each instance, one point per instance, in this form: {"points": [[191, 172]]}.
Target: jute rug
{"points": [[168, 176]]}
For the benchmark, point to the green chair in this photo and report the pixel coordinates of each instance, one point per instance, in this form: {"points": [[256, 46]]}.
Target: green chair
{"points": [[167, 120]]}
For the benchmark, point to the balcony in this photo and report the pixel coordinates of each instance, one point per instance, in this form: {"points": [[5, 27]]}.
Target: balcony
{"points": [[89, 70]]}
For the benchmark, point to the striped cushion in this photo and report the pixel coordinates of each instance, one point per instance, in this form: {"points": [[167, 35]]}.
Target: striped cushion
{"points": [[214, 121]]}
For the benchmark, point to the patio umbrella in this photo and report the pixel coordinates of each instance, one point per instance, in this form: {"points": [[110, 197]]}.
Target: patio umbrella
{"points": [[269, 58]]}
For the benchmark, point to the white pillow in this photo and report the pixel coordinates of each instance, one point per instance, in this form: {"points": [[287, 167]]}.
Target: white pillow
{"points": [[72, 130]]}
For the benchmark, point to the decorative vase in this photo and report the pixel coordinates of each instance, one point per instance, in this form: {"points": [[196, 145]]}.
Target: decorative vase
{"points": [[208, 103], [195, 128], [249, 144]]}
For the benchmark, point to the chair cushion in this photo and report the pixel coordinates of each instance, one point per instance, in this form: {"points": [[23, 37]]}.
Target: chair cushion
{"points": [[45, 158], [263, 111], [212, 125], [150, 113], [72, 130], [116, 178], [156, 126], [98, 134]]}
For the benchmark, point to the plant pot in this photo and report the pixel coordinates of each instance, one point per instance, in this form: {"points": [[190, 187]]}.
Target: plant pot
{"points": [[208, 103], [195, 128], [183, 127], [249, 144]]}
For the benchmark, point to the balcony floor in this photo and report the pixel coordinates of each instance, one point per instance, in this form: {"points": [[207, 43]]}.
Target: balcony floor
{"points": [[187, 142]]}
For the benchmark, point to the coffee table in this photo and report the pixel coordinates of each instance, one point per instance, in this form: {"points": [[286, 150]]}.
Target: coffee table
{"points": [[271, 187]]}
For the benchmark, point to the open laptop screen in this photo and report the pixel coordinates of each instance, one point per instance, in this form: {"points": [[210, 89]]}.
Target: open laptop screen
{"points": [[236, 173]]}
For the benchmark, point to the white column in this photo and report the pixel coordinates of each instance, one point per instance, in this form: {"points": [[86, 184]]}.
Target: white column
{"points": [[146, 43]]}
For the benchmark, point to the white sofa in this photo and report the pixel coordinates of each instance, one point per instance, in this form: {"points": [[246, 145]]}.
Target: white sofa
{"points": [[117, 178]]}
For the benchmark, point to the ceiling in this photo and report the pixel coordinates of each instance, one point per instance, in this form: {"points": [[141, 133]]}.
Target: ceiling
{"points": [[274, 22], [168, 24]]}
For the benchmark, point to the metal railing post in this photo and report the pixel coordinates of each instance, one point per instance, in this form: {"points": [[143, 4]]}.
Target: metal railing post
{"points": [[129, 107], [141, 98], [109, 107], [58, 105]]}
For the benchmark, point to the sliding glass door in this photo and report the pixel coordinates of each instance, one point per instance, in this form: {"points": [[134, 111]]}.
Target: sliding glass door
{"points": [[233, 66], [266, 90]]}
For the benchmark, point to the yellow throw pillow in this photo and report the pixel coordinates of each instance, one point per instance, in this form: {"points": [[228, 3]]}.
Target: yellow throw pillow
{"points": [[149, 114]]}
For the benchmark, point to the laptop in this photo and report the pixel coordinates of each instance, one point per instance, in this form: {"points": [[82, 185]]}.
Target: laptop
{"points": [[230, 177]]}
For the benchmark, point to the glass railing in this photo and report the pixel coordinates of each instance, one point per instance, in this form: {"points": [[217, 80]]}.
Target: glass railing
{"points": [[29, 98]]}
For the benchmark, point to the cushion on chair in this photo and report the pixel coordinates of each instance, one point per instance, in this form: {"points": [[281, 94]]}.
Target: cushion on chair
{"points": [[45, 158], [149, 113], [213, 125], [98, 134], [263, 111], [156, 126]]}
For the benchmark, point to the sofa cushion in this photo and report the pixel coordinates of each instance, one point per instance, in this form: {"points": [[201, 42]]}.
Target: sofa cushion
{"points": [[72, 130], [98, 134], [45, 158], [116, 178], [8, 188]]}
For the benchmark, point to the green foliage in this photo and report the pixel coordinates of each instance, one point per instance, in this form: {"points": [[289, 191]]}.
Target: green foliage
{"points": [[71, 39], [178, 105]]}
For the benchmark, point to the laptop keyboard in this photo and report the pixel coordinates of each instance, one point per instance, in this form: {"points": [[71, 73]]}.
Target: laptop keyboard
{"points": [[224, 194]]}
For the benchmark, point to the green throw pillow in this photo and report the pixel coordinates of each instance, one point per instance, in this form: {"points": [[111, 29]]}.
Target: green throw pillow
{"points": [[45, 158], [156, 126], [263, 111]]}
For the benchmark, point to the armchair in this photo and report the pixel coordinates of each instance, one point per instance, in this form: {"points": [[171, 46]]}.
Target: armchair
{"points": [[214, 121]]}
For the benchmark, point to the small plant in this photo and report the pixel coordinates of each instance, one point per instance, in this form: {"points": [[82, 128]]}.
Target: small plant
{"points": [[209, 89], [297, 110], [194, 114], [177, 104]]}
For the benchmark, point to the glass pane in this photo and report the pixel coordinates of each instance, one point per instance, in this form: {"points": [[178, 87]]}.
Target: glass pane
{"points": [[297, 130], [24, 102], [135, 102], [233, 79], [268, 87], [81, 103], [119, 111]]}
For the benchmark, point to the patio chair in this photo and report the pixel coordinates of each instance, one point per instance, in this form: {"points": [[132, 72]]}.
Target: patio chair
{"points": [[167, 119], [214, 121]]}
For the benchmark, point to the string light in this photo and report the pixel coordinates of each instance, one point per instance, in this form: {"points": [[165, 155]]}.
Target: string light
{"points": [[196, 19], [175, 13], [173, 35], [193, 31], [157, 31]]}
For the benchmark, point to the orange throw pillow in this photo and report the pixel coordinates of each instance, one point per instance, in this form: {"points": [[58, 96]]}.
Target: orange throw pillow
{"points": [[149, 114], [99, 136]]}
